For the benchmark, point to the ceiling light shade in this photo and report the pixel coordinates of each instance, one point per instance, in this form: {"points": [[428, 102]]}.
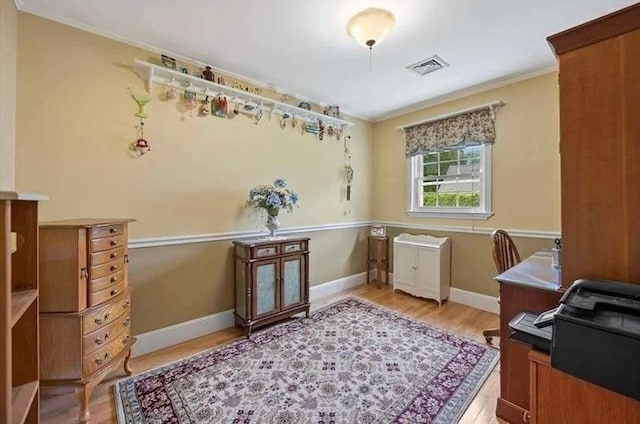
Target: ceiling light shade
{"points": [[370, 26]]}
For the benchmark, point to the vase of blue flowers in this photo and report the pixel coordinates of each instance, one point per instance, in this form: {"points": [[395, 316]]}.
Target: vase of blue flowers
{"points": [[272, 199]]}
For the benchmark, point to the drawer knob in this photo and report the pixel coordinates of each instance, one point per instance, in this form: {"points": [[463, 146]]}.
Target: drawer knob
{"points": [[113, 267], [114, 279], [126, 322], [114, 292], [101, 320], [126, 339], [125, 305], [113, 255], [113, 230], [100, 340], [114, 242], [102, 360]]}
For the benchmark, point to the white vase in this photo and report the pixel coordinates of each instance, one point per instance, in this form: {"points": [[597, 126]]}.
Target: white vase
{"points": [[273, 224]]}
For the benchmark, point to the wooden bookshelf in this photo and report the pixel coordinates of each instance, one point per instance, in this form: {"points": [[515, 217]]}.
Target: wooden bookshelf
{"points": [[19, 322], [20, 302]]}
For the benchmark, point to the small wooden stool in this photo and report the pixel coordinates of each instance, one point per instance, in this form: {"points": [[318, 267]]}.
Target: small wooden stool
{"points": [[379, 258]]}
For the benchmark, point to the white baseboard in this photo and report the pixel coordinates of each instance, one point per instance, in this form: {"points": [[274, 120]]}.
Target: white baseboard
{"points": [[178, 333], [336, 286], [188, 330], [475, 300], [469, 298]]}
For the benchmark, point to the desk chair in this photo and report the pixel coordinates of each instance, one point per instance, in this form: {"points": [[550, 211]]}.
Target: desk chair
{"points": [[505, 255]]}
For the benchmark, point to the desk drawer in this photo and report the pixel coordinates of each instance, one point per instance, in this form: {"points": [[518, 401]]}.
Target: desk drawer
{"points": [[105, 315]]}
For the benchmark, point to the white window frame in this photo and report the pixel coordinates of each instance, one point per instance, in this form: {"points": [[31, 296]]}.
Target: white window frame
{"points": [[414, 176]]}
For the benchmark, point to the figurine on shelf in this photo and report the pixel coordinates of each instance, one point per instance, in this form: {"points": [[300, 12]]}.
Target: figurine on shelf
{"points": [[184, 70], [204, 109], [168, 61], [304, 105], [221, 80], [320, 130], [172, 93], [208, 74], [190, 96]]}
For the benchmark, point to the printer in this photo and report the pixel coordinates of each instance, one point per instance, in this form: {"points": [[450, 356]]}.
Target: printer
{"points": [[596, 335]]}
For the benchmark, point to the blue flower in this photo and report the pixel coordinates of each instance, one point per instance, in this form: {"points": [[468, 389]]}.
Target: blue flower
{"points": [[294, 198], [280, 183], [273, 201]]}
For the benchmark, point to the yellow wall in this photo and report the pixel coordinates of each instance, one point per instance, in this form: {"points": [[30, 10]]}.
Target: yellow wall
{"points": [[526, 159], [8, 35], [76, 121]]}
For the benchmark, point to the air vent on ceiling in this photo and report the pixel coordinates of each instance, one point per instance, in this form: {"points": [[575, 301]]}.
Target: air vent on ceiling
{"points": [[428, 65]]}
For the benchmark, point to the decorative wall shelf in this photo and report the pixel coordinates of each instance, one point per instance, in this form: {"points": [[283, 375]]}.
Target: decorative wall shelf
{"points": [[151, 74]]}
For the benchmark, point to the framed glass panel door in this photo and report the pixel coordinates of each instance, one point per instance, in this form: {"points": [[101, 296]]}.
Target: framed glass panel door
{"points": [[292, 281], [266, 296]]}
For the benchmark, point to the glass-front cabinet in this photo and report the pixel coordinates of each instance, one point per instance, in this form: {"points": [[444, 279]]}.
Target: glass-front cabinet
{"points": [[271, 280]]}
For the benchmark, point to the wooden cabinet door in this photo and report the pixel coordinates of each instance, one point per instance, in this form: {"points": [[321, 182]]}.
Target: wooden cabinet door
{"points": [[428, 278], [266, 287], [404, 271], [292, 282]]}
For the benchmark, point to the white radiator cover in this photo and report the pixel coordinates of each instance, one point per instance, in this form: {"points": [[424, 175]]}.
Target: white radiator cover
{"points": [[422, 266]]}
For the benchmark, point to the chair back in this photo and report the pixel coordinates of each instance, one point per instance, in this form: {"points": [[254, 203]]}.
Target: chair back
{"points": [[505, 252]]}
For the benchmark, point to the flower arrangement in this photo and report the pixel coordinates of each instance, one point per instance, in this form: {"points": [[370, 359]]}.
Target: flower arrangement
{"points": [[273, 198]]}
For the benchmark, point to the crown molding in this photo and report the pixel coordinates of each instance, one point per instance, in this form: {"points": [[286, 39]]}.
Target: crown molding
{"points": [[21, 6], [465, 92], [455, 95]]}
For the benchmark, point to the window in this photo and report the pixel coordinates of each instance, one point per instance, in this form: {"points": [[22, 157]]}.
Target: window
{"points": [[451, 183]]}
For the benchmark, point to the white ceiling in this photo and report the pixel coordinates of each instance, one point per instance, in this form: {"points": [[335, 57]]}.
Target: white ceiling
{"points": [[301, 46]]}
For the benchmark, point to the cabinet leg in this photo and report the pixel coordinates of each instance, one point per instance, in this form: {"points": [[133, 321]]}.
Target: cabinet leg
{"points": [[127, 365], [307, 312], [83, 396]]}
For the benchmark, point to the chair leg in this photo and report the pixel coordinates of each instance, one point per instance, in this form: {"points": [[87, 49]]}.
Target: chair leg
{"points": [[490, 334]]}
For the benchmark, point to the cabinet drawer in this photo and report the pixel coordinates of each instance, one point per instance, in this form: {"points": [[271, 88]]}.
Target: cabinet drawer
{"points": [[265, 251], [105, 315], [106, 282], [107, 256], [106, 294], [104, 356], [107, 231], [105, 335], [297, 246], [99, 245], [106, 269]]}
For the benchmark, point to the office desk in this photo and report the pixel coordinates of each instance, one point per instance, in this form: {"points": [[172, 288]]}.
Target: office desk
{"points": [[529, 287]]}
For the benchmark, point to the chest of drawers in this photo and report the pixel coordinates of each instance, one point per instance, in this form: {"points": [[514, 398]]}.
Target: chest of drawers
{"points": [[85, 303]]}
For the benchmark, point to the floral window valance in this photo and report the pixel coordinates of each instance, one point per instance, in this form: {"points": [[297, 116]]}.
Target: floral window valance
{"points": [[470, 128]]}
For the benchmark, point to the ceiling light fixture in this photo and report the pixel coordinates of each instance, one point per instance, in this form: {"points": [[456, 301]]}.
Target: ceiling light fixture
{"points": [[370, 26]]}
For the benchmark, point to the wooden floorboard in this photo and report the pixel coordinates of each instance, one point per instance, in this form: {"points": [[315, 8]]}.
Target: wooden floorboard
{"points": [[460, 319]]}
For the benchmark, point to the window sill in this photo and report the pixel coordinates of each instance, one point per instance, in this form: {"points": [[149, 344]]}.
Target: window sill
{"points": [[450, 214]]}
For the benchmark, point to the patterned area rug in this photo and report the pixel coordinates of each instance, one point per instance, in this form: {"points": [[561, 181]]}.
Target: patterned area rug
{"points": [[351, 362]]}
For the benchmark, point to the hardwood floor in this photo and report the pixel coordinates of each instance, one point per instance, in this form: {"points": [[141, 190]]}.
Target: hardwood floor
{"points": [[461, 319]]}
